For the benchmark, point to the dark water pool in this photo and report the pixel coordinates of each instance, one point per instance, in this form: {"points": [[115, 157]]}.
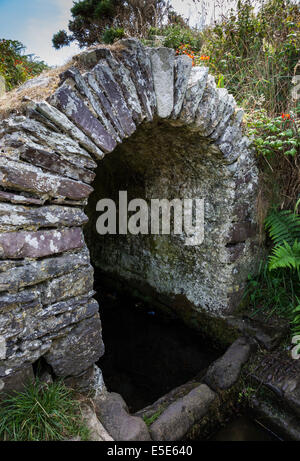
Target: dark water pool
{"points": [[243, 429], [147, 355]]}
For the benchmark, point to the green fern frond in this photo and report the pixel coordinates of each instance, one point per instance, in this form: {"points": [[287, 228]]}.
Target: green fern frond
{"points": [[283, 226], [295, 323], [285, 256]]}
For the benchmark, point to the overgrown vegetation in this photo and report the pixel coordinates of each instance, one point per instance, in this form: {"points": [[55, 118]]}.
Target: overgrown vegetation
{"points": [[257, 53], [95, 21], [255, 56], [176, 35], [15, 66], [276, 288], [41, 413]]}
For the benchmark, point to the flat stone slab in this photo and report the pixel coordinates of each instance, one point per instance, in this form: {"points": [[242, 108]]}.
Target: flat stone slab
{"points": [[280, 373], [225, 371], [62, 121], [83, 86], [54, 163], [194, 92], [176, 421], [14, 217], [19, 199], [68, 101], [166, 400], [40, 81], [28, 132], [114, 94], [137, 61], [122, 75], [16, 245], [34, 180], [15, 275]]}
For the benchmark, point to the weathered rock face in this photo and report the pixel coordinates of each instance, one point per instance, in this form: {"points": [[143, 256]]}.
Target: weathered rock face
{"points": [[174, 162], [185, 141]]}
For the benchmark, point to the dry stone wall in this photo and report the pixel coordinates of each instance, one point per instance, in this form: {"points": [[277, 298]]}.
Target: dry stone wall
{"points": [[48, 157]]}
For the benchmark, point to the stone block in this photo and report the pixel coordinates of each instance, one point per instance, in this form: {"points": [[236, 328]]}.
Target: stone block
{"points": [[38, 244], [112, 412], [69, 102], [225, 371], [183, 68], [16, 382], [177, 419], [162, 60], [74, 353]]}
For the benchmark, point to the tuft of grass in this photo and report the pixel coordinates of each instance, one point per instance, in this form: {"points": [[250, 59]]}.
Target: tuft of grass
{"points": [[273, 293], [41, 413], [151, 419]]}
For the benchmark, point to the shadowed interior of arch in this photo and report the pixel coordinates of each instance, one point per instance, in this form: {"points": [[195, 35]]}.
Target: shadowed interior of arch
{"points": [[141, 280]]}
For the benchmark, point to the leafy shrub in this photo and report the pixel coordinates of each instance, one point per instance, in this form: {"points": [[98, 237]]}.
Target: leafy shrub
{"points": [[277, 134], [15, 66], [187, 50], [176, 35], [277, 143], [111, 34], [41, 413]]}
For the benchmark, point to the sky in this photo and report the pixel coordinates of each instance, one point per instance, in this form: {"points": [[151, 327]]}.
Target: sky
{"points": [[33, 22]]}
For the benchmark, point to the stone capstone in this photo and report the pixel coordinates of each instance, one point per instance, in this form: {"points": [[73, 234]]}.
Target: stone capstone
{"points": [[183, 68], [162, 61]]}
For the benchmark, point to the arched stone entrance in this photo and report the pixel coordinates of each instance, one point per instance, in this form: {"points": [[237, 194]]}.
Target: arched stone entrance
{"points": [[131, 103]]}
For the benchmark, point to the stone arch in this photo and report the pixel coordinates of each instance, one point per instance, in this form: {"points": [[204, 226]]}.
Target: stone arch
{"points": [[47, 162]]}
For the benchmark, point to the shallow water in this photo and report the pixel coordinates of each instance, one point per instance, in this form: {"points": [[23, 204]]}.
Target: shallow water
{"points": [[243, 429], [146, 355]]}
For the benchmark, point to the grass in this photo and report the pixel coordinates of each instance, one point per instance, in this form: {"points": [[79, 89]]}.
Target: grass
{"points": [[273, 293], [151, 419], [257, 53], [41, 413]]}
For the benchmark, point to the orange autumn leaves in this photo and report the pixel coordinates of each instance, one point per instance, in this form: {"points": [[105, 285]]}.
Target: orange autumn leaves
{"points": [[188, 51]]}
